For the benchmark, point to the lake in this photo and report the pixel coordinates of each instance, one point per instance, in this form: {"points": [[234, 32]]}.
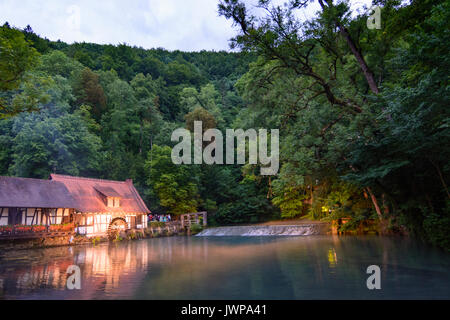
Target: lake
{"points": [[304, 267]]}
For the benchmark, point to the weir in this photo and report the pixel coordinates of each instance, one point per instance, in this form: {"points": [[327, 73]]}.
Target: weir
{"points": [[274, 230]]}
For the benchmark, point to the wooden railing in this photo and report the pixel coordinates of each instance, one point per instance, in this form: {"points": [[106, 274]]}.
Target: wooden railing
{"points": [[172, 227], [181, 225], [189, 219]]}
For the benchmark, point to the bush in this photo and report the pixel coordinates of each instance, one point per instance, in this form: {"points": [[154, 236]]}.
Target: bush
{"points": [[437, 230], [117, 237], [156, 224], [131, 235], [196, 228], [96, 240]]}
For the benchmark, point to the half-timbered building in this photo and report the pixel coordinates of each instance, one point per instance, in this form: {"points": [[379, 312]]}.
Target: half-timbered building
{"points": [[92, 206], [33, 202], [101, 205]]}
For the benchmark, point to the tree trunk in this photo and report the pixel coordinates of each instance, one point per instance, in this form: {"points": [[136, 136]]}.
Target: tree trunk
{"points": [[269, 192], [385, 204], [372, 196], [441, 177], [375, 203], [362, 63], [140, 138], [359, 57]]}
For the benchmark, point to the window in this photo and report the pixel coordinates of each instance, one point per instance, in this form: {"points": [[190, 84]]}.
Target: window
{"points": [[113, 202], [86, 221], [53, 215]]}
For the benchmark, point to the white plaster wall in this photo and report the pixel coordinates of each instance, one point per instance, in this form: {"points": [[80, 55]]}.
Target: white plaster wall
{"points": [[4, 220]]}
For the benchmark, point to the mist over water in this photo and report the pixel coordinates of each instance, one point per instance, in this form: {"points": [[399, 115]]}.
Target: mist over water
{"points": [[303, 267]]}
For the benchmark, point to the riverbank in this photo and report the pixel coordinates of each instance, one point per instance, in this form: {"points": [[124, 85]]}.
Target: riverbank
{"points": [[291, 227], [291, 222], [153, 231], [305, 226]]}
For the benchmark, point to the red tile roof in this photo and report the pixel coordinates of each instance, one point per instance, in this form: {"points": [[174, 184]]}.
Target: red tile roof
{"points": [[106, 191], [85, 192]]}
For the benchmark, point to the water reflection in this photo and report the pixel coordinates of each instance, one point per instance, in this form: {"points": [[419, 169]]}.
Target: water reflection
{"points": [[229, 268], [332, 258]]}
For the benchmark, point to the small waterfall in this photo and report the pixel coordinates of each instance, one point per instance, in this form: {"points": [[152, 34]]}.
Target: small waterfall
{"points": [[275, 230]]}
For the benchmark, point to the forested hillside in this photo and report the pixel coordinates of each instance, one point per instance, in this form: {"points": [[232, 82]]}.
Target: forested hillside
{"points": [[109, 111], [363, 115]]}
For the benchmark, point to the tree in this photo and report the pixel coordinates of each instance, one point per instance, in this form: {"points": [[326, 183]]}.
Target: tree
{"points": [[344, 141], [16, 57], [53, 141], [88, 90], [178, 72], [174, 185], [200, 114], [207, 99], [145, 90], [299, 46], [407, 158], [57, 63], [247, 202]]}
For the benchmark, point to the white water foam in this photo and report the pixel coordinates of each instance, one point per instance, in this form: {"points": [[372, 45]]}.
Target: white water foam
{"points": [[257, 231]]}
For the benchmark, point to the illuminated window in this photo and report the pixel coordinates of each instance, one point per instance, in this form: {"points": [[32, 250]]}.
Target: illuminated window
{"points": [[113, 202]]}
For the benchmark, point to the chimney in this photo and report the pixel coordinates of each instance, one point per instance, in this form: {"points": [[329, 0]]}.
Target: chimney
{"points": [[129, 181]]}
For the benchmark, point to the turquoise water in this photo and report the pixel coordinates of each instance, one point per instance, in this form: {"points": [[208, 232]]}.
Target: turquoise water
{"points": [[308, 267]]}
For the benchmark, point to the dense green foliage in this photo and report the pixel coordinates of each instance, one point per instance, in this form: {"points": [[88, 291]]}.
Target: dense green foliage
{"points": [[362, 113], [109, 112]]}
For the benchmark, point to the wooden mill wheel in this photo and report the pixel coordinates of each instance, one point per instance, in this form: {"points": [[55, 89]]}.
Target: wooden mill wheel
{"points": [[116, 226]]}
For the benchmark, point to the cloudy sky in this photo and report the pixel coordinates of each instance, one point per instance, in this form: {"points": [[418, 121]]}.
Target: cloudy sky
{"points": [[189, 25]]}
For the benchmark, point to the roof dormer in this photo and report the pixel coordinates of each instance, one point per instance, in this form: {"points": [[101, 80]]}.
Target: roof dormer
{"points": [[109, 196]]}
